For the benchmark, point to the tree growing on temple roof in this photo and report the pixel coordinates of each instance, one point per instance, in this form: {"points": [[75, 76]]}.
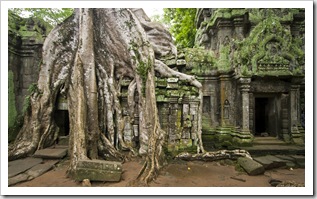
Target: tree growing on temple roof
{"points": [[85, 59]]}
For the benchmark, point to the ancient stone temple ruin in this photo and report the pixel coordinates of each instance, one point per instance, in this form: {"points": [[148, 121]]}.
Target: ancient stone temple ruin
{"points": [[250, 63], [26, 37]]}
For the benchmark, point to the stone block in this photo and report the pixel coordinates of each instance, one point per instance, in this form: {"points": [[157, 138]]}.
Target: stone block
{"points": [[172, 80], [40, 169], [19, 178], [98, 170], [172, 85], [160, 98], [162, 83], [299, 160], [181, 62], [270, 162], [63, 140], [50, 153], [250, 166], [21, 165]]}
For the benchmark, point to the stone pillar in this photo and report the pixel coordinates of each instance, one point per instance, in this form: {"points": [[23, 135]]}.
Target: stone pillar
{"points": [[245, 87], [225, 130], [294, 113], [285, 117], [245, 136]]}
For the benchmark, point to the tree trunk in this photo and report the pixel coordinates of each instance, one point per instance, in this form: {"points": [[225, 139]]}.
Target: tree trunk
{"points": [[85, 58]]}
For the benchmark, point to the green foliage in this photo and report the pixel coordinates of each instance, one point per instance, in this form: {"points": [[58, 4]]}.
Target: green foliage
{"points": [[53, 16], [143, 69], [182, 25], [27, 101]]}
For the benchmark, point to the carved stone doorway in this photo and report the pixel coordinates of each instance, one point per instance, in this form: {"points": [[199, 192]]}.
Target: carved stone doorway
{"points": [[267, 116]]}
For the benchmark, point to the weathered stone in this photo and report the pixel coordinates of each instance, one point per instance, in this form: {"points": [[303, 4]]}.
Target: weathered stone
{"points": [[63, 140], [39, 169], [172, 85], [172, 80], [290, 162], [19, 178], [300, 160], [181, 62], [98, 170], [50, 153], [270, 162], [21, 165], [250, 166]]}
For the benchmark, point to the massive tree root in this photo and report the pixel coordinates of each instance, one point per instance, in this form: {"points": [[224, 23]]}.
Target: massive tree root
{"points": [[214, 156], [85, 59]]}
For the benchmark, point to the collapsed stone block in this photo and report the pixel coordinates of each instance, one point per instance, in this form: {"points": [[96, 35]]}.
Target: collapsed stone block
{"points": [[98, 170], [250, 166]]}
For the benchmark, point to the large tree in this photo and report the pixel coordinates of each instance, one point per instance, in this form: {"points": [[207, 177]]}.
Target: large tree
{"points": [[85, 58], [182, 25]]}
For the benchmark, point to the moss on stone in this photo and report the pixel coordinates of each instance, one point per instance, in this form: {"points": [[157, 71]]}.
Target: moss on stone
{"points": [[226, 13], [223, 63], [254, 48], [26, 28], [200, 61]]}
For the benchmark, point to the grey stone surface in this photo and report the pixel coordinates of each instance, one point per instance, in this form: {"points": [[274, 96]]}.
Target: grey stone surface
{"points": [[290, 162], [39, 169], [51, 153], [18, 178], [98, 170], [18, 166], [299, 160], [63, 140], [250, 166], [270, 162]]}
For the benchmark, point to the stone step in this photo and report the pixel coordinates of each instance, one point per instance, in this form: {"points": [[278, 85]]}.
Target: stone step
{"points": [[21, 165], [33, 172], [250, 166], [270, 162], [258, 150], [51, 153], [268, 141]]}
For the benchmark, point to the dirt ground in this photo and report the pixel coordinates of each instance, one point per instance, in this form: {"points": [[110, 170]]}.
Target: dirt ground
{"points": [[177, 174]]}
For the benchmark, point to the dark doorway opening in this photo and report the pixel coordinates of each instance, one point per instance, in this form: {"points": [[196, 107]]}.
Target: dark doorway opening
{"points": [[261, 116], [62, 120], [206, 104]]}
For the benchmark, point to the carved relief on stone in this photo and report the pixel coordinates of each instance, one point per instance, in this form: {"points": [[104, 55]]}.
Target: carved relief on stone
{"points": [[273, 59], [226, 108]]}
